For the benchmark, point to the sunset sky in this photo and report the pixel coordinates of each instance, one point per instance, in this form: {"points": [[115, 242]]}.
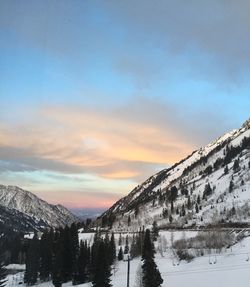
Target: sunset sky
{"points": [[96, 96]]}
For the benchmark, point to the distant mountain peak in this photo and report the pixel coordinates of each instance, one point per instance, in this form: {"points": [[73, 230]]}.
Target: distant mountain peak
{"points": [[23, 201]]}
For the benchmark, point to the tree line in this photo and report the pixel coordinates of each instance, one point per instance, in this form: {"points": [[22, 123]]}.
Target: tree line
{"points": [[60, 257]]}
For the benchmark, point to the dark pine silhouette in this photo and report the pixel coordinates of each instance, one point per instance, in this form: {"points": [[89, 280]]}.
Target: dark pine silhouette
{"points": [[151, 276]]}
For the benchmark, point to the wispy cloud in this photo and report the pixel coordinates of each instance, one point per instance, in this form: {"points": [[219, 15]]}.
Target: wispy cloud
{"points": [[126, 142]]}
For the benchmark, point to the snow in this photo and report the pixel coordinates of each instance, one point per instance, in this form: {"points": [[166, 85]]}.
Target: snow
{"points": [[217, 206], [15, 267], [227, 269]]}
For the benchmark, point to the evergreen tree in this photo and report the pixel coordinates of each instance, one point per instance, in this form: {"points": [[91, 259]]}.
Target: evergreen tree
{"points": [[136, 210], [129, 220], [66, 255], [207, 191], [94, 252], [165, 213], [83, 263], [226, 170], [101, 271], [155, 231], [198, 199], [189, 203], [196, 208], [231, 186], [32, 262], [183, 211], [126, 248], [57, 264], [170, 218], [133, 247], [136, 247], [151, 276], [46, 255], [172, 207], [236, 166], [112, 249], [173, 193], [120, 254], [120, 240], [74, 252]]}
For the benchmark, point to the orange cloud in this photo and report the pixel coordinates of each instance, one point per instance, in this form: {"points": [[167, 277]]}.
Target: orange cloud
{"points": [[106, 143]]}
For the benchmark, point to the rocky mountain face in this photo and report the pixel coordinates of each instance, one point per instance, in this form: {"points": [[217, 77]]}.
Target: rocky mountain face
{"points": [[21, 204], [12, 220], [209, 187]]}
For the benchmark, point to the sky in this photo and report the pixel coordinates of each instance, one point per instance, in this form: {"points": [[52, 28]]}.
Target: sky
{"points": [[96, 96]]}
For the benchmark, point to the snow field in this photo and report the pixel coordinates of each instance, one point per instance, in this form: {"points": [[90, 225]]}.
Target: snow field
{"points": [[229, 268]]}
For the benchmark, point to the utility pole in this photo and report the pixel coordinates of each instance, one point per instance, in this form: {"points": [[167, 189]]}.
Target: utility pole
{"points": [[128, 273]]}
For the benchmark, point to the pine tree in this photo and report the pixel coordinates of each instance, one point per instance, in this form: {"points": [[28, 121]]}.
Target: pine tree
{"points": [[231, 186], [189, 203], [94, 252], [196, 208], [155, 231], [120, 254], [74, 252], [136, 210], [151, 276], [101, 271], [183, 211], [170, 218], [57, 264], [112, 249], [173, 193], [126, 248], [207, 191], [120, 240], [66, 254], [198, 199], [236, 166], [172, 207], [83, 263], [32, 262], [226, 170], [129, 220], [46, 255], [165, 213], [136, 246]]}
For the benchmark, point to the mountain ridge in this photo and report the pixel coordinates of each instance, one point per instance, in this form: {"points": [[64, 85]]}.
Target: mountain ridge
{"points": [[205, 165], [27, 203]]}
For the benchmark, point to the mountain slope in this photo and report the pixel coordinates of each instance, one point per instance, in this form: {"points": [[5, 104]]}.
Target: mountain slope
{"points": [[14, 220], [38, 210], [222, 168]]}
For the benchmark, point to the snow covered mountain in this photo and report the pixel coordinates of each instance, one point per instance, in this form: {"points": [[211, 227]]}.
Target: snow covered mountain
{"points": [[35, 209], [12, 220], [210, 186]]}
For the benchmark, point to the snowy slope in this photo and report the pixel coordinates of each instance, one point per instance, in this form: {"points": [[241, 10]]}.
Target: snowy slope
{"points": [[15, 198], [229, 268], [206, 165]]}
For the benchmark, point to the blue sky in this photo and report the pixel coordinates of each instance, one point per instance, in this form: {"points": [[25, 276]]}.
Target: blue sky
{"points": [[97, 95]]}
